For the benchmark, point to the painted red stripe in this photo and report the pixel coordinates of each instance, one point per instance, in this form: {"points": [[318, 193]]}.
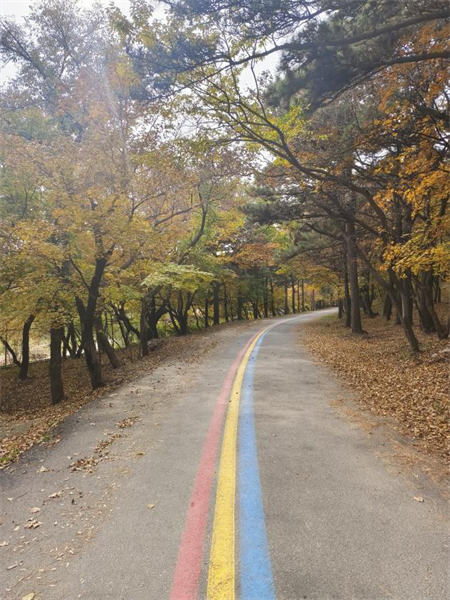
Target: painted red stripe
{"points": [[190, 555]]}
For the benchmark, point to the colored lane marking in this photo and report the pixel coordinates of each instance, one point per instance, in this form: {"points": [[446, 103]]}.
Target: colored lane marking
{"points": [[221, 576], [190, 555], [256, 570]]}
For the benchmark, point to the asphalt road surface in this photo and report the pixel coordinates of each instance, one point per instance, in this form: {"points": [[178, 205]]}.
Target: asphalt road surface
{"points": [[235, 476]]}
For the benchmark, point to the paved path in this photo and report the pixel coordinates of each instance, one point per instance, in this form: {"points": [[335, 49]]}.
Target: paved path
{"points": [[236, 478]]}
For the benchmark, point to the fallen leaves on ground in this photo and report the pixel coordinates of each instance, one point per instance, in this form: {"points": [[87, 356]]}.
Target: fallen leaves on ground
{"points": [[28, 415], [32, 524], [390, 379]]}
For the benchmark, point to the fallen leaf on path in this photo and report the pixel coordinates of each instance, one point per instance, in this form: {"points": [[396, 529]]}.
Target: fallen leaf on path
{"points": [[418, 499], [31, 596], [151, 505], [11, 567], [43, 469], [35, 510], [4, 544], [55, 495], [32, 524]]}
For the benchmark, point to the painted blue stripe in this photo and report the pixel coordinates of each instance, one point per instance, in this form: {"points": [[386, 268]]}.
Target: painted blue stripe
{"points": [[256, 570]]}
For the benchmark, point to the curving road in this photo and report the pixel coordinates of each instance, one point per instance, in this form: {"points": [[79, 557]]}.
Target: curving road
{"points": [[237, 478]]}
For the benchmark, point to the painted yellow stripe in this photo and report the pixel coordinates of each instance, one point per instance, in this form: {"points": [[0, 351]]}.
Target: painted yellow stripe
{"points": [[221, 576]]}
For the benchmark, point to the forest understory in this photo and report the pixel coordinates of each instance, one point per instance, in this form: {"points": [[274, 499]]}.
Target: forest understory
{"points": [[389, 380], [27, 416]]}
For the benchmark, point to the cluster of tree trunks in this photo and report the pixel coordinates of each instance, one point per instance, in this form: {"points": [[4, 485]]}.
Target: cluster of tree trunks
{"points": [[92, 336]]}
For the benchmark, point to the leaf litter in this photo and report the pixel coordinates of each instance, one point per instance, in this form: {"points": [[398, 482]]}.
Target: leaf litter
{"points": [[389, 379]]}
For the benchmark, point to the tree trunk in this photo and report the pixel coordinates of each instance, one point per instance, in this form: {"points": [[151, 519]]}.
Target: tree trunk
{"points": [[426, 321], [355, 312], [216, 303], [56, 382], [293, 295], [255, 310], [303, 296], [71, 341], [404, 306], [206, 313], [286, 304], [23, 373], [144, 330], [183, 324], [313, 300], [8, 348], [437, 290], [122, 317], [105, 345], [154, 316], [90, 351], [87, 317], [428, 284], [387, 307], [272, 299], [340, 309], [239, 308], [265, 298], [225, 304], [347, 299]]}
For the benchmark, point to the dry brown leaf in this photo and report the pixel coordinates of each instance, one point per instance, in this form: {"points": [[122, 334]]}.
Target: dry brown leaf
{"points": [[32, 524]]}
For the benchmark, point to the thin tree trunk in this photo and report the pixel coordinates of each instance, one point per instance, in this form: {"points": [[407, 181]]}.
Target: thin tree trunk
{"points": [[206, 313], [265, 298], [122, 317], [442, 334], [8, 348], [87, 317], [286, 304], [387, 307], [303, 296], [272, 299], [347, 299], [225, 304], [239, 307], [293, 295], [23, 373], [143, 341], [56, 381], [355, 312], [216, 303], [105, 345], [90, 351]]}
